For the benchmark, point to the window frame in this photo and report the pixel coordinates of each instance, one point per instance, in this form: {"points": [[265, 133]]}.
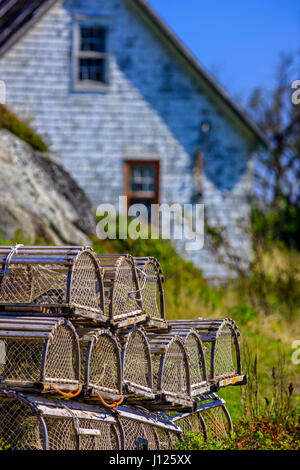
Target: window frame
{"points": [[151, 195], [77, 54]]}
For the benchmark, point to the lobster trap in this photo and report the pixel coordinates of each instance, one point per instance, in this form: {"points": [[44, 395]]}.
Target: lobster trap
{"points": [[152, 294], [62, 281], [171, 372], [101, 364], [31, 423], [39, 354], [221, 348], [136, 365], [123, 303], [144, 430], [196, 357], [211, 419]]}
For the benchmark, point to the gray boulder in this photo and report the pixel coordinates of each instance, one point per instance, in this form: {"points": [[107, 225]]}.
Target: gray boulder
{"points": [[39, 198]]}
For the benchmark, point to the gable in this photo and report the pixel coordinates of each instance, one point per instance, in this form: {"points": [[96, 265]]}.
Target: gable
{"points": [[16, 17]]}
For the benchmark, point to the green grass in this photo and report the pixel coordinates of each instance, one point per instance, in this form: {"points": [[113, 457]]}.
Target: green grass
{"points": [[12, 123]]}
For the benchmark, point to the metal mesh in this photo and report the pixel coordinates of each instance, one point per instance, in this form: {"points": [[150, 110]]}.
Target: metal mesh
{"points": [[191, 423], [85, 289], [196, 367], [217, 423], [62, 359], [107, 440], [20, 429], [175, 370], [46, 283], [134, 430], [34, 284], [137, 360], [224, 353], [22, 364], [120, 287], [104, 365], [20, 360], [61, 433], [150, 293]]}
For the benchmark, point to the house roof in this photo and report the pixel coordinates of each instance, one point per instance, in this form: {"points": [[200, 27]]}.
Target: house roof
{"points": [[17, 16]]}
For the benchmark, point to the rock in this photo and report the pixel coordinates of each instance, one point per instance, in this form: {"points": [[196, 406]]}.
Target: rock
{"points": [[39, 198]]}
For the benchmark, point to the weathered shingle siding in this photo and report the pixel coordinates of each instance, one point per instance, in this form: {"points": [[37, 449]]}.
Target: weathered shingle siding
{"points": [[152, 107]]}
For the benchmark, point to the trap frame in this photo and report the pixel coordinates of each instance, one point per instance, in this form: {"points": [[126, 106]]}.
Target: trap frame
{"points": [[211, 419], [123, 303], [136, 364], [39, 354], [152, 293], [220, 339], [34, 423], [144, 430], [49, 281], [101, 364], [171, 372], [196, 357]]}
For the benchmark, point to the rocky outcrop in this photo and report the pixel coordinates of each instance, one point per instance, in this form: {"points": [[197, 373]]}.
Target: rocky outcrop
{"points": [[39, 198]]}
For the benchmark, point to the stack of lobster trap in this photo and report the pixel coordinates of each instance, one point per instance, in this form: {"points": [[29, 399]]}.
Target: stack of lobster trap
{"points": [[88, 360]]}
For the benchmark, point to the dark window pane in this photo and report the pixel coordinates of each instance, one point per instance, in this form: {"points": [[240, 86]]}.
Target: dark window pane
{"points": [[142, 178], [92, 69], [93, 39], [145, 202]]}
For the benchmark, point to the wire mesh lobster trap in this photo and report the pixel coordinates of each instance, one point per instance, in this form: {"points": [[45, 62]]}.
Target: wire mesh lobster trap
{"points": [[152, 292], [211, 419], [101, 364], [65, 281], [171, 372], [32, 423], [136, 364], [196, 357], [221, 348], [144, 430], [123, 303], [39, 354]]}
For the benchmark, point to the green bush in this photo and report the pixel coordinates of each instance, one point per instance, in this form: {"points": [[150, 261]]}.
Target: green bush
{"points": [[11, 122]]}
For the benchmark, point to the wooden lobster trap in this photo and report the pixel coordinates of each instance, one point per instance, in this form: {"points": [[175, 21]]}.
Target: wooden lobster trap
{"points": [[211, 419], [196, 357], [220, 339], [152, 293], [144, 430], [136, 365], [39, 354], [32, 423], [101, 364], [62, 281], [123, 303], [171, 372]]}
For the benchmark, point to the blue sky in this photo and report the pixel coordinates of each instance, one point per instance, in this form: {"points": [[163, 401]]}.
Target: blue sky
{"points": [[238, 41]]}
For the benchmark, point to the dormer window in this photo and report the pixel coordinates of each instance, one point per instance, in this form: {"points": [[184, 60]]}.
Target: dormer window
{"points": [[90, 56]]}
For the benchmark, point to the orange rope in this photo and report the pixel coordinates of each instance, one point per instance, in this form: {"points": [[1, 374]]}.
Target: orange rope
{"points": [[115, 404], [65, 394]]}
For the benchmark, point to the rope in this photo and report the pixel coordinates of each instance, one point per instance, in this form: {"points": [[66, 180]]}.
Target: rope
{"points": [[64, 394], [115, 404]]}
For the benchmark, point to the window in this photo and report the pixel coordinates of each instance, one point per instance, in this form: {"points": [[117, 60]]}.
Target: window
{"points": [[90, 56], [142, 182]]}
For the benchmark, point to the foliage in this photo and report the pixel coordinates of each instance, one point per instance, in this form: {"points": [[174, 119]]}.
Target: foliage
{"points": [[270, 418], [4, 446], [11, 122], [259, 434]]}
